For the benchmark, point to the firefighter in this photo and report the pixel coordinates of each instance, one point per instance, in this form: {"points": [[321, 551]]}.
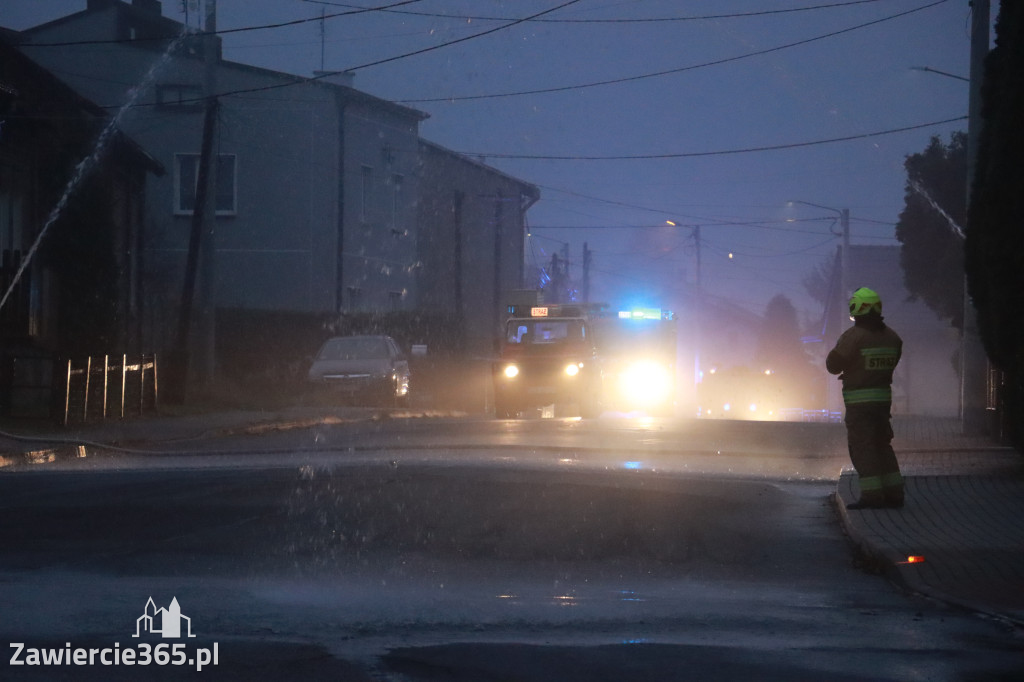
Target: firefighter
{"points": [[864, 358]]}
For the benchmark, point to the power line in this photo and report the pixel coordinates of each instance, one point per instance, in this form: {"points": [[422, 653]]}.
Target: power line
{"points": [[721, 152], [738, 15], [469, 37], [362, 10], [706, 221], [667, 72], [763, 224], [300, 80]]}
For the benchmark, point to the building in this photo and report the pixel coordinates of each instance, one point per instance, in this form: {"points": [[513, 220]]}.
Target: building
{"points": [[316, 181], [80, 290], [471, 217], [331, 212]]}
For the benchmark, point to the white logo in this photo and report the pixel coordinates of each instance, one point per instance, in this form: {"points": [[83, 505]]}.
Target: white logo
{"points": [[166, 622]]}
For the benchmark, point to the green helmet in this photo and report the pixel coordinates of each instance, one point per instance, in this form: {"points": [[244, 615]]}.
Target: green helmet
{"points": [[865, 301]]}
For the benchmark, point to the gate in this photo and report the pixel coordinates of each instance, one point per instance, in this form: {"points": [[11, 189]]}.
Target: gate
{"points": [[103, 387]]}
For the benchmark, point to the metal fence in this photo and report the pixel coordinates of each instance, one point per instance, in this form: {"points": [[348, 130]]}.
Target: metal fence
{"points": [[104, 386]]}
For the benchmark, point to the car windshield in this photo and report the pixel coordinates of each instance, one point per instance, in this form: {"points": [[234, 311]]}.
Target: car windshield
{"points": [[354, 348]]}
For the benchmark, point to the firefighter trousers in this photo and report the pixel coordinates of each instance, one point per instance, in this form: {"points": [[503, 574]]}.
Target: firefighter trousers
{"points": [[869, 438]]}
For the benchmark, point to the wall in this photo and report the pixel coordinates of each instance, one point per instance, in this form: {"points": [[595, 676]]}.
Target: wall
{"points": [[470, 216], [288, 246]]}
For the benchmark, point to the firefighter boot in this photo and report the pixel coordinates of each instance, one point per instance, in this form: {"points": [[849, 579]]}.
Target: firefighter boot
{"points": [[871, 495], [892, 490]]}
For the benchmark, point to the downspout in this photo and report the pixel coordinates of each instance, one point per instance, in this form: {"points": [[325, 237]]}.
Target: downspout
{"points": [[526, 202]]}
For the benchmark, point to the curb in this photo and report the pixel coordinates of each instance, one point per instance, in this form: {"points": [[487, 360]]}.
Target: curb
{"points": [[901, 570], [63, 449]]}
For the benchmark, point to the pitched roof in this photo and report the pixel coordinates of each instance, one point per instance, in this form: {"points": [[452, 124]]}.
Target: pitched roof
{"points": [[154, 31], [28, 74]]}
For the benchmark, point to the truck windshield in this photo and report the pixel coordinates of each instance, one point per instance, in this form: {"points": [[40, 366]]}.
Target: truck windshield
{"points": [[546, 331]]}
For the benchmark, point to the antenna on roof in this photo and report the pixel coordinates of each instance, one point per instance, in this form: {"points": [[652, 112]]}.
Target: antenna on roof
{"points": [[323, 36]]}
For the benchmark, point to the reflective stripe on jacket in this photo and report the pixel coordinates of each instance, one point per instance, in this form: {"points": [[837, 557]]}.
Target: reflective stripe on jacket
{"points": [[866, 356]]}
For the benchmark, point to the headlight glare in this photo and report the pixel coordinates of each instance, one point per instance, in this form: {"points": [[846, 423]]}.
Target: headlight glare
{"points": [[511, 371], [645, 383]]}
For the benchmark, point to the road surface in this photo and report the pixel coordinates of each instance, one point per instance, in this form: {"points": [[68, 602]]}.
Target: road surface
{"points": [[469, 550]]}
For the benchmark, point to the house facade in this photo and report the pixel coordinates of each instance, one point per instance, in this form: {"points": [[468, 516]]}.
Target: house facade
{"points": [[79, 290], [471, 241], [316, 181]]}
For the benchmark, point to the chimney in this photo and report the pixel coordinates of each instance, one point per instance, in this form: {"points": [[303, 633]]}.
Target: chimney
{"points": [[336, 77]]}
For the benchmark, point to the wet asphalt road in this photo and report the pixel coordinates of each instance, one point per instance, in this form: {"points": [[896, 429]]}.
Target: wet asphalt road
{"points": [[376, 559]]}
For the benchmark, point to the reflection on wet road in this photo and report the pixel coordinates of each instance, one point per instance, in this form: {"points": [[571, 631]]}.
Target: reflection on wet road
{"points": [[474, 549]]}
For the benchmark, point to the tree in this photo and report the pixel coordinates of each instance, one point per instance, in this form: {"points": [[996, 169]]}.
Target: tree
{"points": [[930, 226], [995, 238], [818, 282], [779, 342], [780, 349]]}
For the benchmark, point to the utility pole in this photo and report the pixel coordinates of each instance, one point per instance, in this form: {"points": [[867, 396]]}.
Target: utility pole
{"points": [[844, 282], [696, 243], [496, 302], [586, 273], [199, 261], [557, 280], [973, 363], [207, 294]]}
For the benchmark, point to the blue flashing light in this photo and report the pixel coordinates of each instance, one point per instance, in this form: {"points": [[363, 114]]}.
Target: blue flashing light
{"points": [[645, 314]]}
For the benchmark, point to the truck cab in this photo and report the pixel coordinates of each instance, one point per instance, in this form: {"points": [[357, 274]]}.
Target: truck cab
{"points": [[583, 359], [548, 357]]}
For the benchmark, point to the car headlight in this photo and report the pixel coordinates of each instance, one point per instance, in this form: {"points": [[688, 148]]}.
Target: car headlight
{"points": [[511, 371], [645, 383], [573, 369]]}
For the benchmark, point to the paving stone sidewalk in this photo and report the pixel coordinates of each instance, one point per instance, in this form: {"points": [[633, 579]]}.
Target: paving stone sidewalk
{"points": [[960, 537]]}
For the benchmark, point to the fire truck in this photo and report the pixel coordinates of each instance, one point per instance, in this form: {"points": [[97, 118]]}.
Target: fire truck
{"points": [[585, 359]]}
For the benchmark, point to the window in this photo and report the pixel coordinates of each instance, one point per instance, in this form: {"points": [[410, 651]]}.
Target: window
{"points": [[179, 97], [186, 175], [365, 192]]}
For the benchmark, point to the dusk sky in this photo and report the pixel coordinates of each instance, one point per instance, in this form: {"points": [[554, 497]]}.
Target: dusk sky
{"points": [[658, 110]]}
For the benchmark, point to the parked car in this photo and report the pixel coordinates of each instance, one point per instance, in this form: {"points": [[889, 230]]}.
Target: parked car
{"points": [[362, 369]]}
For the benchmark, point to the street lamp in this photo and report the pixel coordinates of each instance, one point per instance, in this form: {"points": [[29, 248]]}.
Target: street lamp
{"points": [[941, 73], [844, 224], [698, 316]]}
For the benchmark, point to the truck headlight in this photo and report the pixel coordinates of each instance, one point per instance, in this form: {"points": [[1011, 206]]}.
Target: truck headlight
{"points": [[511, 371], [645, 383], [573, 369]]}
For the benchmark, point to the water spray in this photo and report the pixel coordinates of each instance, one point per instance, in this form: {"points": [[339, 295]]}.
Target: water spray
{"points": [[92, 160], [919, 188]]}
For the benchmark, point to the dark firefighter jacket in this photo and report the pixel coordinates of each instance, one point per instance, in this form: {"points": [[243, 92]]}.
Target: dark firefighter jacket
{"points": [[865, 357]]}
